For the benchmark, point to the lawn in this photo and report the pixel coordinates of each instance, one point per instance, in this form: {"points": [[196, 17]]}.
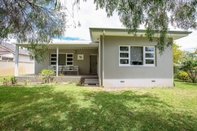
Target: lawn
{"points": [[88, 109]]}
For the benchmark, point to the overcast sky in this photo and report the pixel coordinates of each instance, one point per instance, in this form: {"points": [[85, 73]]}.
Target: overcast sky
{"points": [[90, 17]]}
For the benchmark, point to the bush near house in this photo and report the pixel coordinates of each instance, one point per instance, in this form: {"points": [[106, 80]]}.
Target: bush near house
{"points": [[190, 66], [47, 75], [182, 75]]}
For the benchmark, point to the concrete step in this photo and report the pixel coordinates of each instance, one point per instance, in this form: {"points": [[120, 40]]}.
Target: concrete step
{"points": [[88, 82]]}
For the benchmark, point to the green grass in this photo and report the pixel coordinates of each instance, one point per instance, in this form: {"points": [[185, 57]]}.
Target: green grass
{"points": [[89, 109]]}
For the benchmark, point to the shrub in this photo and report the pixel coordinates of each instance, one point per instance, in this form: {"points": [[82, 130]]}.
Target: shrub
{"points": [[13, 80], [182, 75], [47, 75], [26, 81], [5, 81], [189, 65]]}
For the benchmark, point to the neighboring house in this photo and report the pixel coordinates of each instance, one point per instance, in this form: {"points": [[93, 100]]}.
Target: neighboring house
{"points": [[7, 53], [7, 60], [119, 59]]}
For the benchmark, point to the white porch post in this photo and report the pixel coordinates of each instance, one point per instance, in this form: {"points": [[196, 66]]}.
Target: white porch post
{"points": [[16, 60], [103, 58], [99, 62], [57, 57]]}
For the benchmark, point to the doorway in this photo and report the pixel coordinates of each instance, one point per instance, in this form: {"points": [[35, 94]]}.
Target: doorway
{"points": [[93, 64]]}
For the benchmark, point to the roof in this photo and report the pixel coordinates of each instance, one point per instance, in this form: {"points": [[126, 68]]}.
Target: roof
{"points": [[11, 48], [96, 32], [77, 44]]}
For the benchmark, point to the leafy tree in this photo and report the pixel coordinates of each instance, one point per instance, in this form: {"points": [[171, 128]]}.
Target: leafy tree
{"points": [[38, 21], [155, 15], [32, 21], [189, 65], [178, 54], [195, 51]]}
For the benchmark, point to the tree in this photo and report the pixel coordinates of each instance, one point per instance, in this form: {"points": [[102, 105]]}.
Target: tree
{"points": [[155, 15], [195, 51], [189, 65], [178, 54], [38, 21], [32, 21]]}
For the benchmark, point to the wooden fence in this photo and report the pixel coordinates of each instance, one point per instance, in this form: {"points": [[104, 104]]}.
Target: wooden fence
{"points": [[7, 68]]}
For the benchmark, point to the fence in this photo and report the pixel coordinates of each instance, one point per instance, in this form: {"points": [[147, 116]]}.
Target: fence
{"points": [[7, 68]]}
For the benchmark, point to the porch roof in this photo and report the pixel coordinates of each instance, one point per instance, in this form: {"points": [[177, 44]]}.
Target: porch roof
{"points": [[65, 44], [96, 32]]}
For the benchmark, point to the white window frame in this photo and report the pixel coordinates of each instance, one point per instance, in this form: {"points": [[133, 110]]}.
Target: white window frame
{"points": [[65, 58], [145, 58], [53, 57], [69, 57], [144, 55], [124, 57]]}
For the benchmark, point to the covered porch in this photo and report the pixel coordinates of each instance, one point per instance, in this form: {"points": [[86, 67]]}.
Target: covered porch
{"points": [[69, 59]]}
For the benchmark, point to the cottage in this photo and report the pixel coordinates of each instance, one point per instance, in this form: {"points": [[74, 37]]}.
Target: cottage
{"points": [[119, 59]]}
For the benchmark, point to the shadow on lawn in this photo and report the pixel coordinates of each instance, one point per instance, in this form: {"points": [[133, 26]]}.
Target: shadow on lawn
{"points": [[42, 108], [129, 111]]}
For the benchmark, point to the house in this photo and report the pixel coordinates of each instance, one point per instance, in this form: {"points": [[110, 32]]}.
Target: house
{"points": [[7, 60], [120, 59], [7, 53]]}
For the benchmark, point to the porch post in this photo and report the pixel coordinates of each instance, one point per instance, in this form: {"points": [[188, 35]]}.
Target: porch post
{"points": [[16, 60], [103, 56], [99, 62], [57, 57]]}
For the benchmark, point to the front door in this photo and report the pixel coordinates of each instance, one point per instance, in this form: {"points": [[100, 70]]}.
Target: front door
{"points": [[93, 64]]}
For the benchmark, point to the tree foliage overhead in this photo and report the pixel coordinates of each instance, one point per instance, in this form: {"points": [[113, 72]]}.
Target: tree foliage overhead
{"points": [[32, 21], [155, 15]]}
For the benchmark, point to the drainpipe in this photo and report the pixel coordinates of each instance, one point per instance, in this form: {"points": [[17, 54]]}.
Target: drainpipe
{"points": [[57, 57], [16, 60], [103, 58]]}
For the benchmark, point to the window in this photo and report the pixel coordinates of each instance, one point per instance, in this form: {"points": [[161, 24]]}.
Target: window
{"points": [[69, 59], [53, 59], [63, 59], [136, 55]]}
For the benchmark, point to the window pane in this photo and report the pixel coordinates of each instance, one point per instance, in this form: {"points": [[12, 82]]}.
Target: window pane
{"points": [[124, 48], [124, 61], [149, 55], [53, 63], [136, 55], [149, 49], [53, 55], [69, 55], [124, 55], [69, 59], [149, 61], [53, 59], [69, 63]]}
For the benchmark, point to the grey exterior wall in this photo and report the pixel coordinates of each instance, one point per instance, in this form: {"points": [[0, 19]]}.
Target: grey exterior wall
{"points": [[162, 70], [84, 65]]}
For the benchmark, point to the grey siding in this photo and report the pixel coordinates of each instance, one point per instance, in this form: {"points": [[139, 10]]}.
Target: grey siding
{"points": [[112, 70]]}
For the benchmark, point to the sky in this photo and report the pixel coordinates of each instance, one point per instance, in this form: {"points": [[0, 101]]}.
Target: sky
{"points": [[90, 17]]}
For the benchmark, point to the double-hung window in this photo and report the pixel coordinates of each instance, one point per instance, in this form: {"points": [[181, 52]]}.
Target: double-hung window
{"points": [[136, 55]]}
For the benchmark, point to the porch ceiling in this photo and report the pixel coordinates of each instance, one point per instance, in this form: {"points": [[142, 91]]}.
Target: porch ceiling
{"points": [[95, 33]]}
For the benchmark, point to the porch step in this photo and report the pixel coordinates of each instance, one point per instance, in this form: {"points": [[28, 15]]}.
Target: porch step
{"points": [[91, 82]]}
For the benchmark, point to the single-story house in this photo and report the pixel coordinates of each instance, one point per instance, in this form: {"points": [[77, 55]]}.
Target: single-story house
{"points": [[120, 59], [7, 53], [7, 60]]}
